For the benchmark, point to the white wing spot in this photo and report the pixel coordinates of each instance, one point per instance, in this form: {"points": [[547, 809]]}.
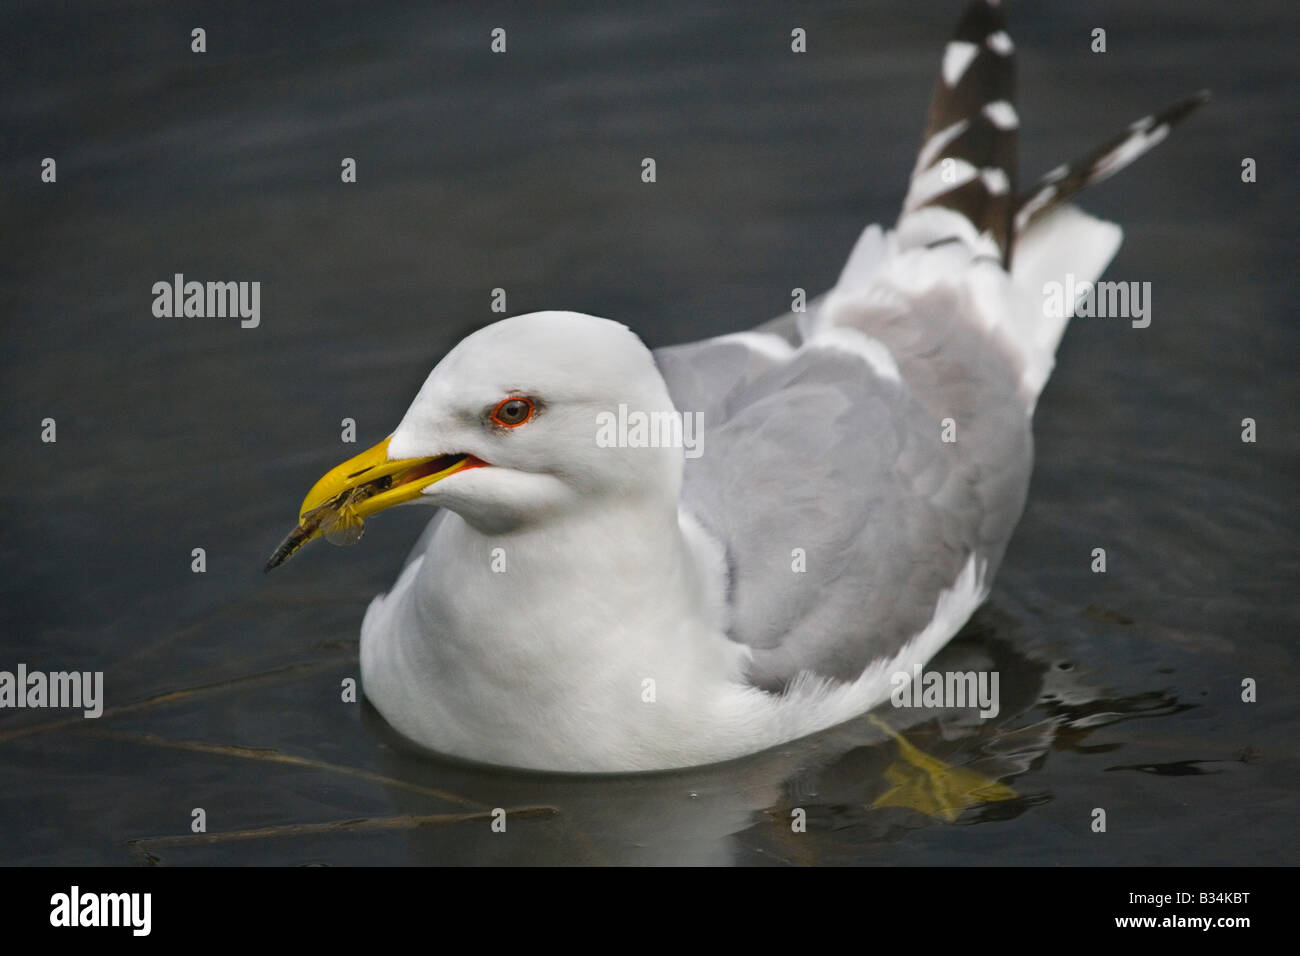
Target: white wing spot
{"points": [[1041, 199], [1001, 114], [1000, 43], [995, 180], [1126, 152], [957, 56], [936, 143], [931, 183]]}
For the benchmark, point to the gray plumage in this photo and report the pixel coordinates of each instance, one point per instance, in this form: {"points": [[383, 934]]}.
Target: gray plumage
{"points": [[822, 450], [852, 468]]}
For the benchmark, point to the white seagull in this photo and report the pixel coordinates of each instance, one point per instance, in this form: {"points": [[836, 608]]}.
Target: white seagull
{"points": [[594, 605]]}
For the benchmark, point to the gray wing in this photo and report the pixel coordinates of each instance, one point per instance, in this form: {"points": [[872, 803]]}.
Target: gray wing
{"points": [[815, 450]]}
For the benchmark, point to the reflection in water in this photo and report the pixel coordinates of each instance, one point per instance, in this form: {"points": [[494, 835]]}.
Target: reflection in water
{"points": [[875, 779], [1177, 768], [927, 785]]}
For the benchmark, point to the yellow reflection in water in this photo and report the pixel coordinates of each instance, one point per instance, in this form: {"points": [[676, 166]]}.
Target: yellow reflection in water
{"points": [[930, 786]]}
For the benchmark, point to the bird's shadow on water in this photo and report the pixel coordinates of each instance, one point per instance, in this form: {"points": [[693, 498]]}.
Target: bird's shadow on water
{"points": [[870, 781]]}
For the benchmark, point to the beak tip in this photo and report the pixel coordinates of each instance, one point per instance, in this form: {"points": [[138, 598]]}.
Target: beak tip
{"points": [[286, 550]]}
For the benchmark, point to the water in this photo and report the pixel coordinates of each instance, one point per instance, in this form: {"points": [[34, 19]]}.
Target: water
{"points": [[1120, 691]]}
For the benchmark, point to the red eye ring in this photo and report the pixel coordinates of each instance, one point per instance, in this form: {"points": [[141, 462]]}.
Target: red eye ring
{"points": [[519, 412]]}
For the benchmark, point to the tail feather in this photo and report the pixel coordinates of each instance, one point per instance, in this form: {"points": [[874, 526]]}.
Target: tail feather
{"points": [[967, 161], [1062, 183]]}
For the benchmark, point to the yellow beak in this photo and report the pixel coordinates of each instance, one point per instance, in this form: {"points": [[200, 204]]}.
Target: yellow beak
{"points": [[362, 486]]}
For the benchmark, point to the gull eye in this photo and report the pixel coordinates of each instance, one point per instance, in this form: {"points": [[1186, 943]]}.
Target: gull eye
{"points": [[512, 412]]}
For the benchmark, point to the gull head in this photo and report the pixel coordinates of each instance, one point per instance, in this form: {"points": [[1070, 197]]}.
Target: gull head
{"points": [[511, 429]]}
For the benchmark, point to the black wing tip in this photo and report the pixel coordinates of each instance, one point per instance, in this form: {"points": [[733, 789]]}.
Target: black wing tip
{"points": [[1185, 106], [978, 20], [1178, 111], [1063, 183], [976, 77]]}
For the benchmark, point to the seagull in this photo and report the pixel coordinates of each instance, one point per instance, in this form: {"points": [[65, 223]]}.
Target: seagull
{"points": [[594, 594]]}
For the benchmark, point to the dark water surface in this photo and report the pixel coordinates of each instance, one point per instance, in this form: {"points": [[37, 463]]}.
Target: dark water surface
{"points": [[1120, 691]]}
